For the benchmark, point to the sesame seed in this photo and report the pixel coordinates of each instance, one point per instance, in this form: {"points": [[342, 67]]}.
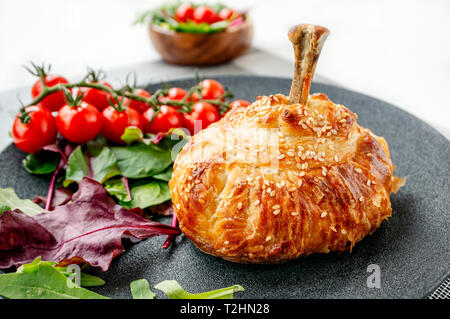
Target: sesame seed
{"points": [[328, 134], [333, 229], [276, 207], [281, 156], [292, 189], [290, 154], [257, 202], [266, 182], [294, 213], [368, 182], [323, 214], [202, 201], [278, 185], [239, 205], [226, 242], [178, 206], [190, 177], [302, 174], [361, 199], [304, 126], [269, 190], [283, 183], [334, 132], [197, 181], [343, 232], [268, 238], [276, 212], [336, 159], [358, 170], [324, 173], [300, 183], [272, 194]]}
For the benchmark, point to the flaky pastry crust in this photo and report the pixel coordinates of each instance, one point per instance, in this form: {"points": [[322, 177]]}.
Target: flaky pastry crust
{"points": [[275, 181]]}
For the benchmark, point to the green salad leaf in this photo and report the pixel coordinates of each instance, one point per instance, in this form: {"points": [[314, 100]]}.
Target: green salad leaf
{"points": [[103, 165], [141, 160], [10, 201], [174, 291], [41, 280], [166, 175], [116, 187], [132, 134], [41, 163], [140, 289], [149, 193]]}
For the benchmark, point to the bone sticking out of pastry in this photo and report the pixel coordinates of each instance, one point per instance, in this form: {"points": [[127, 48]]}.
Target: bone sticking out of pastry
{"points": [[308, 41]]}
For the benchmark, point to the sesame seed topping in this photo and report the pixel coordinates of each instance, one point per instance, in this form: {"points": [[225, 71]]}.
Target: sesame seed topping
{"points": [[323, 214], [281, 156], [226, 242], [368, 182], [292, 189], [300, 183], [268, 238], [294, 213], [269, 190], [333, 229], [276, 212], [361, 199], [302, 174], [290, 154], [358, 170], [336, 159], [257, 202], [178, 206], [278, 185], [197, 181], [272, 194], [283, 183], [276, 207], [343, 232], [239, 205]]}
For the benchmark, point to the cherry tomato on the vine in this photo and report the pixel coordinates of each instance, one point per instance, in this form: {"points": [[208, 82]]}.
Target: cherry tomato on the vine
{"points": [[139, 106], [167, 118], [205, 14], [174, 94], [184, 12], [227, 13], [239, 103], [188, 122], [212, 90], [79, 124], [53, 102], [98, 98], [205, 113], [115, 122], [39, 131]]}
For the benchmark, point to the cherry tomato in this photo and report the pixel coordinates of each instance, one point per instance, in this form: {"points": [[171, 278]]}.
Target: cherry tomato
{"points": [[174, 94], [204, 112], [97, 98], [227, 13], [38, 132], [167, 118], [239, 103], [141, 107], [115, 122], [205, 14], [54, 101], [79, 124], [211, 89], [184, 12], [188, 122]]}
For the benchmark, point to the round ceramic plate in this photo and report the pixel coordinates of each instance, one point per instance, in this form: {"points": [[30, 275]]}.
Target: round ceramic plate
{"points": [[411, 248]]}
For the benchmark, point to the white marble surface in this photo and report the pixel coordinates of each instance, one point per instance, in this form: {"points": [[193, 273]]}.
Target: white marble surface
{"points": [[397, 51]]}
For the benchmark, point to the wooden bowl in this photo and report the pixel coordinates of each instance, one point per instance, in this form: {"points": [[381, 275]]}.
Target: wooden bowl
{"points": [[202, 49]]}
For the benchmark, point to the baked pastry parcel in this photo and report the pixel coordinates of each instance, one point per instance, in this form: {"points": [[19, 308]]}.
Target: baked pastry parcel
{"points": [[284, 177]]}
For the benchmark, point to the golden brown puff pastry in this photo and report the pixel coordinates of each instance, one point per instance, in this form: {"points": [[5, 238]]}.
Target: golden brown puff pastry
{"points": [[330, 189], [278, 180]]}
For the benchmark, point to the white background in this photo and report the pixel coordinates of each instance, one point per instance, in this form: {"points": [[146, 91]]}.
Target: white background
{"points": [[398, 51]]}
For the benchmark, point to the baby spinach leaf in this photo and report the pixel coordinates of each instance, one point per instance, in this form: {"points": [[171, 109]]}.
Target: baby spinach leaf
{"points": [[140, 289], [149, 193], [141, 160], [103, 165], [166, 175], [10, 200], [174, 291], [77, 167], [132, 134], [42, 281], [116, 187], [42, 162]]}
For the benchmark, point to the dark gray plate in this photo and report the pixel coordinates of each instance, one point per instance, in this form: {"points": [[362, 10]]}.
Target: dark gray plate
{"points": [[411, 249]]}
